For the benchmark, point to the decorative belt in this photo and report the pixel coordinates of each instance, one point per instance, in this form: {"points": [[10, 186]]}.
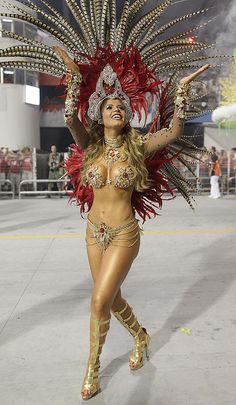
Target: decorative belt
{"points": [[104, 233]]}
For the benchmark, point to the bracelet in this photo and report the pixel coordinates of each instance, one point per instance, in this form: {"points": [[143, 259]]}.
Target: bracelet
{"points": [[73, 81], [181, 99], [73, 78]]}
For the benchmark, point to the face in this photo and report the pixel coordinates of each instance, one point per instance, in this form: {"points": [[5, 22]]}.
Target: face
{"points": [[53, 149], [113, 114]]}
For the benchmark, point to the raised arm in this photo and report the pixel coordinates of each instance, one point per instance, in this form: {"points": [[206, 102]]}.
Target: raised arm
{"points": [[165, 136], [73, 80]]}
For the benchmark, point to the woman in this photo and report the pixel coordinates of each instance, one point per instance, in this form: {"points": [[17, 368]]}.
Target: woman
{"points": [[114, 166]]}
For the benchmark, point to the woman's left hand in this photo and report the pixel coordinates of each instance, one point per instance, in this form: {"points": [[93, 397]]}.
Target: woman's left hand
{"points": [[193, 76]]}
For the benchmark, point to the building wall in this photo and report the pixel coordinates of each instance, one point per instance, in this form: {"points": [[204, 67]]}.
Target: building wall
{"points": [[19, 122]]}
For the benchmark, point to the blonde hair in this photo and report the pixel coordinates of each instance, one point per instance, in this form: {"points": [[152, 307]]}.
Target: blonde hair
{"points": [[133, 150]]}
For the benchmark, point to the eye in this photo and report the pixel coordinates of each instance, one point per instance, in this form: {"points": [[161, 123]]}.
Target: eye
{"points": [[108, 107]]}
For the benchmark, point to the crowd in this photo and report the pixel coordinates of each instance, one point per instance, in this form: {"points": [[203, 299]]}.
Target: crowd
{"points": [[15, 165], [215, 168]]}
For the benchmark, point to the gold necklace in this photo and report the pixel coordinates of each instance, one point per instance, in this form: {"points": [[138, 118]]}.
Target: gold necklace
{"points": [[111, 153], [113, 143]]}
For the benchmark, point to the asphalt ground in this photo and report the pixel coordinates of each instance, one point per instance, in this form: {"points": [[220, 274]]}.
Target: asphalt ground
{"points": [[181, 286]]}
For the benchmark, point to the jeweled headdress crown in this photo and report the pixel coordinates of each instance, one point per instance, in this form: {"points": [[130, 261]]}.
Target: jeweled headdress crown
{"points": [[108, 86]]}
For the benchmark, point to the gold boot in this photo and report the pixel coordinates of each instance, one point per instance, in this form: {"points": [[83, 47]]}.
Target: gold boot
{"points": [[141, 347], [91, 380]]}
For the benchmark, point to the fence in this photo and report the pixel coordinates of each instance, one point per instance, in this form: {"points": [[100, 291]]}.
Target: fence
{"points": [[35, 191], [202, 171], [8, 191], [39, 177]]}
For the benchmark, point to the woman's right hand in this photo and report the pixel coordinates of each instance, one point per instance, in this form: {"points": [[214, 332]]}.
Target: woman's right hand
{"points": [[70, 64]]}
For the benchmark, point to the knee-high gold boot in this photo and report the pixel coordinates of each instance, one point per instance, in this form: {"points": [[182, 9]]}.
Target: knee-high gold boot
{"points": [[141, 347], [99, 331]]}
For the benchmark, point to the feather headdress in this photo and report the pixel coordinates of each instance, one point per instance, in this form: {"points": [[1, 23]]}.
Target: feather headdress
{"points": [[139, 51]]}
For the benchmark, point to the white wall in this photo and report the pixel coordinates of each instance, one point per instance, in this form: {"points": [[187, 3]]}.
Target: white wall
{"points": [[220, 138], [19, 122]]}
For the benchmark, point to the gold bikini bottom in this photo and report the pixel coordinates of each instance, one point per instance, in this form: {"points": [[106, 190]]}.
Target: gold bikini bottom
{"points": [[125, 235]]}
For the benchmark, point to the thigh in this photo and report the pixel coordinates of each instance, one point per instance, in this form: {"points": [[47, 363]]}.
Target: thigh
{"points": [[114, 267], [94, 258]]}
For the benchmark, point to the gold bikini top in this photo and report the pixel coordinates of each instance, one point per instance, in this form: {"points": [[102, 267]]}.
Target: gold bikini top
{"points": [[96, 177], [104, 173]]}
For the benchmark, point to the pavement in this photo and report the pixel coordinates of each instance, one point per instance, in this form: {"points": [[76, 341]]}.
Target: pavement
{"points": [[182, 287]]}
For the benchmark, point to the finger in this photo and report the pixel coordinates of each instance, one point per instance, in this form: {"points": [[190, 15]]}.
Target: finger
{"points": [[201, 70], [193, 76], [61, 53], [58, 52]]}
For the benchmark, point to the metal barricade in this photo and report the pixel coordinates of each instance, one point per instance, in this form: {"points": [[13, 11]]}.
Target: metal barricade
{"points": [[232, 184], [11, 192], [38, 192]]}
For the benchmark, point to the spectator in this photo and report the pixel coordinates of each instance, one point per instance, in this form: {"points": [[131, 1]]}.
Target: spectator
{"points": [[14, 169], [215, 174], [54, 162], [3, 169], [26, 166]]}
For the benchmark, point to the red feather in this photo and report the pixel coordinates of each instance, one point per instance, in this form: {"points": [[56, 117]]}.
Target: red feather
{"points": [[135, 78], [80, 194]]}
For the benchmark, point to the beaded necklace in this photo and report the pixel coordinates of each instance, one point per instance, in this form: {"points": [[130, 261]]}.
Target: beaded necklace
{"points": [[111, 154]]}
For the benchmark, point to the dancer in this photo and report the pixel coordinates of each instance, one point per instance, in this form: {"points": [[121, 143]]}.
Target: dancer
{"points": [[115, 171], [113, 234]]}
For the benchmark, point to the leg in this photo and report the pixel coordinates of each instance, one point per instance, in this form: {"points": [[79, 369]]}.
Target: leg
{"points": [[113, 268], [95, 256], [124, 313], [217, 187], [51, 176], [121, 310]]}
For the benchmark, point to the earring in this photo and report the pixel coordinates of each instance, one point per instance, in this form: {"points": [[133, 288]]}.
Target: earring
{"points": [[100, 121]]}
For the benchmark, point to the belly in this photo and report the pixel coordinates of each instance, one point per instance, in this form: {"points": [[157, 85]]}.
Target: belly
{"points": [[111, 206]]}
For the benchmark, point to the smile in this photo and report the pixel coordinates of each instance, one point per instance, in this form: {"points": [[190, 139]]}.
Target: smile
{"points": [[116, 117]]}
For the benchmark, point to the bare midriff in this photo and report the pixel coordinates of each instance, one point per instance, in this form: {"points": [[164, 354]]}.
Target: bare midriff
{"points": [[112, 206]]}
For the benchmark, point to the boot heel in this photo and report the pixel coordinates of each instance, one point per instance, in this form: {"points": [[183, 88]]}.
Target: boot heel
{"points": [[147, 347], [147, 352]]}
